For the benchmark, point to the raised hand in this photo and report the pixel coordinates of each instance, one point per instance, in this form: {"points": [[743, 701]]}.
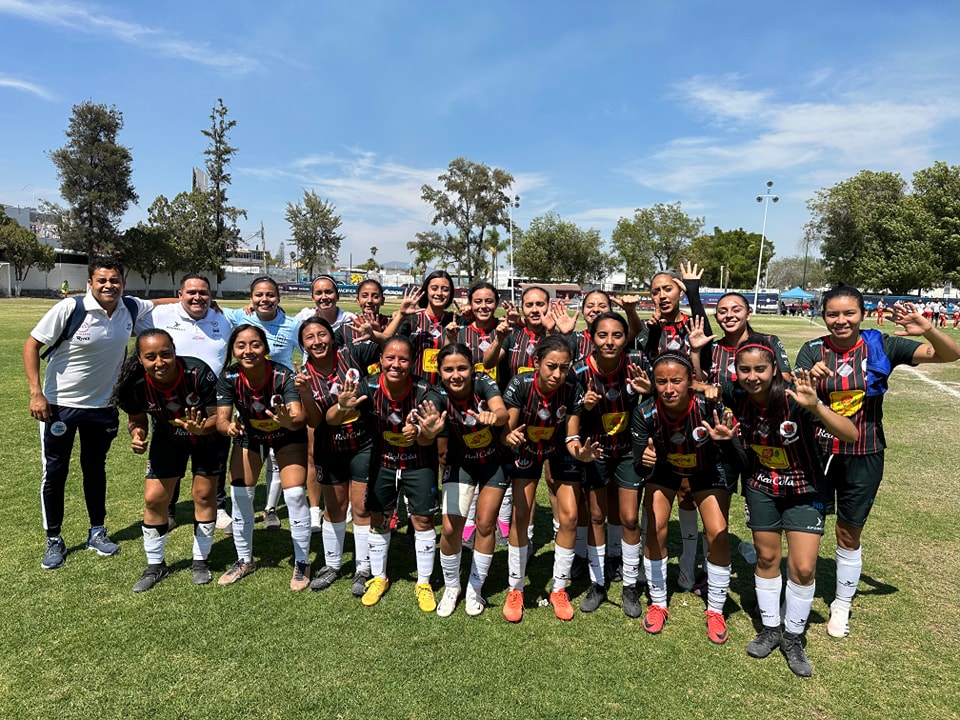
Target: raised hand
{"points": [[626, 301], [281, 413], [235, 428], [564, 322], [431, 420], [805, 394], [511, 313], [515, 438], [485, 417], [692, 271], [409, 303], [192, 421], [639, 380], [503, 330], [452, 329], [589, 451], [908, 318], [591, 397], [649, 457], [695, 334], [820, 370], [722, 428], [347, 399]]}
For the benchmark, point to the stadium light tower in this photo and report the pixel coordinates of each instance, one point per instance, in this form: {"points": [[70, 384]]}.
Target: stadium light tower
{"points": [[511, 204], [765, 199]]}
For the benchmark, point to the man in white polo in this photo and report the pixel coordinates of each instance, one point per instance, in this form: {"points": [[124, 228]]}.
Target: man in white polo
{"points": [[75, 398]]}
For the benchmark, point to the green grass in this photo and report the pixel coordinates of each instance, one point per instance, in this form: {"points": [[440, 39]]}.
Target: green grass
{"points": [[79, 644]]}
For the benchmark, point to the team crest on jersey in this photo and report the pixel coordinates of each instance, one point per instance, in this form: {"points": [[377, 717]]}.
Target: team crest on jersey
{"points": [[561, 412], [788, 431], [352, 375], [193, 399], [276, 400], [700, 435]]}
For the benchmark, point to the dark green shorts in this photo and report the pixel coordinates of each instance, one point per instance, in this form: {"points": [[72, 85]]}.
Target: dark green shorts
{"points": [[342, 467], [461, 484], [600, 473], [802, 513], [168, 458], [852, 485], [419, 485]]}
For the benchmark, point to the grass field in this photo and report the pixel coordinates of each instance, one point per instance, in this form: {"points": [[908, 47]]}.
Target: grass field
{"points": [[78, 643]]}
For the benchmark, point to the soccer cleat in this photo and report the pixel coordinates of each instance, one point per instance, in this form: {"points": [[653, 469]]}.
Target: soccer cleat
{"points": [[656, 618], [613, 569], [513, 606], [301, 576], [151, 576], [473, 604], [376, 587], [791, 645], [580, 567], [201, 572], [448, 601], [561, 604], [631, 601], [716, 627], [97, 540], [839, 624], [360, 580], [239, 570], [596, 594], [271, 521], [224, 522], [425, 598], [765, 642], [325, 577], [55, 555]]}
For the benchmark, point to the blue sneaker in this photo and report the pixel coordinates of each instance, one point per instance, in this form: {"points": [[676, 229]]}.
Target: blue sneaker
{"points": [[55, 554], [98, 540]]}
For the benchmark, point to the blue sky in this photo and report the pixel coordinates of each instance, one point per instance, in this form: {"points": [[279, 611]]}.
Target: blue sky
{"points": [[595, 108]]}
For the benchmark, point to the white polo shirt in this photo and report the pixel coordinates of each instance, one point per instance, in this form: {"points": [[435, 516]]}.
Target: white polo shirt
{"points": [[81, 372], [343, 316], [205, 338]]}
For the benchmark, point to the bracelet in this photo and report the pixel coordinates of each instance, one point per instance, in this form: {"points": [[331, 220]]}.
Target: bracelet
{"points": [[571, 437]]}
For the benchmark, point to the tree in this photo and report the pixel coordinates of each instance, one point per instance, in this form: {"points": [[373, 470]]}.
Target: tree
{"points": [[314, 224], [20, 248], [735, 251], [796, 270], [656, 239], [553, 250], [187, 223], [95, 179], [147, 249], [874, 235], [472, 199], [281, 258], [219, 154], [937, 189]]}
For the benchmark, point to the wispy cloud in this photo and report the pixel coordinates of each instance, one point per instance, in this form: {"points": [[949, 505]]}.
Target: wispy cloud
{"points": [[78, 18], [24, 86]]}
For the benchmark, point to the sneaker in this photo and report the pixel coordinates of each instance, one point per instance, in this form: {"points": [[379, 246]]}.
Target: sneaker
{"points": [[580, 567], [55, 555], [700, 585], [425, 598], [224, 522], [360, 580], [301, 576], [765, 642], [839, 624], [513, 606], [448, 602], [97, 540], [171, 522], [791, 646], [271, 521], [561, 604], [596, 594], [239, 570], [325, 577], [656, 618], [201, 572], [631, 601], [375, 588], [473, 604], [613, 569], [716, 627], [151, 576]]}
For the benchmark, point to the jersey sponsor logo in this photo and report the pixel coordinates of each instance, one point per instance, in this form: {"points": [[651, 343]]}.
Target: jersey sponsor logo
{"points": [[492, 372], [614, 423], [479, 439], [430, 360], [846, 402], [771, 457], [396, 439], [373, 368], [264, 425], [539, 434], [682, 460]]}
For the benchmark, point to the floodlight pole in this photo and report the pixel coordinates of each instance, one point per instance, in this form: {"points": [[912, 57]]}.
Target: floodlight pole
{"points": [[765, 199], [511, 204]]}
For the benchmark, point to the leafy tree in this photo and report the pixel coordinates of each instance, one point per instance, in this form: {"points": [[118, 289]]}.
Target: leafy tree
{"points": [[553, 250], [656, 238], [314, 224], [147, 249], [736, 251], [473, 198], [937, 189], [796, 270], [187, 223], [20, 248], [219, 153], [95, 179], [281, 258]]}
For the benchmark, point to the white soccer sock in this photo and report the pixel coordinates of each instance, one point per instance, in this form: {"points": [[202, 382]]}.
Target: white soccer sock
{"points": [[718, 582], [425, 543], [562, 562], [596, 556], [379, 546], [333, 535], [768, 599], [614, 540], [361, 545], [274, 487], [657, 578], [506, 507], [243, 521], [155, 543], [479, 569], [472, 511], [799, 602], [203, 539], [517, 566], [316, 517], [450, 565], [580, 547], [849, 566], [631, 564], [689, 531], [298, 510]]}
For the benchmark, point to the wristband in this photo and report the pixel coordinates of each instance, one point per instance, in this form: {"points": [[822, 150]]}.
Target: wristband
{"points": [[571, 437]]}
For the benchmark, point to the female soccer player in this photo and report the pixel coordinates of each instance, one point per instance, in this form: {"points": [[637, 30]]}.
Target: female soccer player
{"points": [[544, 427], [595, 304], [472, 459], [269, 417], [369, 321], [341, 453], [180, 395], [681, 436], [403, 456], [326, 298], [613, 382], [852, 367], [778, 426]]}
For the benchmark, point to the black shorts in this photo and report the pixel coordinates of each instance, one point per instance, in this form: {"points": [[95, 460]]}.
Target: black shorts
{"points": [[262, 445], [600, 473], [852, 485], [344, 467], [418, 484], [801, 513], [712, 479], [168, 457], [563, 468]]}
